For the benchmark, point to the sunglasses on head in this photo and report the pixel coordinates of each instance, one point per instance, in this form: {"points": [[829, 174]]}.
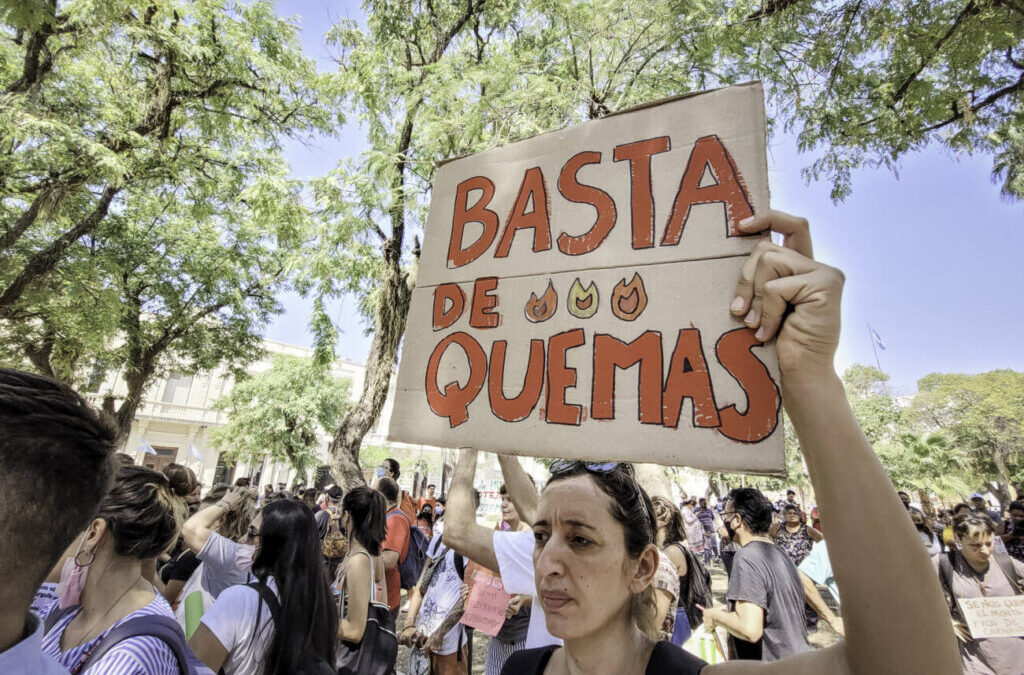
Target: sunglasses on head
{"points": [[561, 466]]}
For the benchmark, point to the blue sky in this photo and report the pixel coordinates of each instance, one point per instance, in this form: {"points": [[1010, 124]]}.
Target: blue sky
{"points": [[932, 258]]}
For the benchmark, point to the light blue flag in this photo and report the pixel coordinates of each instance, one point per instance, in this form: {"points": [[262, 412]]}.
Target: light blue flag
{"points": [[877, 338], [195, 453], [146, 447]]}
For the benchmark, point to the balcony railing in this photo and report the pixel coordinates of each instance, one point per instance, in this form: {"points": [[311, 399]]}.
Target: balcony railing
{"points": [[170, 412]]}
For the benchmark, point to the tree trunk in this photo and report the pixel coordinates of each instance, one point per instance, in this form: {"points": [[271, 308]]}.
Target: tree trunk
{"points": [[125, 414], [1003, 481], [392, 312]]}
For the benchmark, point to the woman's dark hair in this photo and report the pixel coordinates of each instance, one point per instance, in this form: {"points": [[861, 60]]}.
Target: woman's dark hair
{"points": [[182, 479], [427, 514], [366, 506], [963, 524], [143, 511], [674, 532], [388, 488], [960, 506], [1017, 505], [753, 507], [289, 551], [309, 498], [394, 467], [632, 508], [791, 507]]}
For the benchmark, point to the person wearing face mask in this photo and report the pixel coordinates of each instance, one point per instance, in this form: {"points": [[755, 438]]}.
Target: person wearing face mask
{"points": [[390, 468], [227, 559], [102, 584], [48, 436], [973, 570], [765, 592], [284, 621]]}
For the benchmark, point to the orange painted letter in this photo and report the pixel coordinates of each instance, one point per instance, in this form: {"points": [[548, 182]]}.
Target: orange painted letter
{"points": [[727, 189], [478, 213], [561, 378], [602, 202], [688, 378], [609, 354], [454, 401], [520, 407], [537, 219], [482, 314], [442, 294], [641, 193], [735, 353]]}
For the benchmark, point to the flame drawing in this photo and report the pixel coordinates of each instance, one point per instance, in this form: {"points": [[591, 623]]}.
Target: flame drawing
{"points": [[629, 300], [582, 301], [542, 308]]}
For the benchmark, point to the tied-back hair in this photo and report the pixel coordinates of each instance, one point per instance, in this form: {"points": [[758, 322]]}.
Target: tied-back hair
{"points": [[367, 508], [632, 508], [182, 479], [55, 467], [674, 531], [289, 551], [234, 524], [143, 512]]}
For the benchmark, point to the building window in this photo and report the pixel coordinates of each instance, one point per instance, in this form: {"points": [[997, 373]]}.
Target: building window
{"points": [[177, 389], [96, 376]]}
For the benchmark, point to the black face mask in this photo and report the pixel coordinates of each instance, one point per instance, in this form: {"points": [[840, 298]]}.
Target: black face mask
{"points": [[729, 530]]}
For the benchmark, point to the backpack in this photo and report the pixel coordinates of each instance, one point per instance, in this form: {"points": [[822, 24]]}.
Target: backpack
{"points": [[335, 544], [698, 588], [312, 663], [153, 625], [412, 566]]}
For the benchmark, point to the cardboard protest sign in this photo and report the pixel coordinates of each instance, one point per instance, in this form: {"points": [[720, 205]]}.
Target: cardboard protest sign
{"points": [[486, 605], [573, 295], [994, 617]]}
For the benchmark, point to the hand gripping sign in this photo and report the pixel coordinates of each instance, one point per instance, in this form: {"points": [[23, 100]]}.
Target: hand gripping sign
{"points": [[573, 295]]}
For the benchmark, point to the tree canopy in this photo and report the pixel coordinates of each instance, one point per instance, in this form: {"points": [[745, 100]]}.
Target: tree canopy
{"points": [[281, 414]]}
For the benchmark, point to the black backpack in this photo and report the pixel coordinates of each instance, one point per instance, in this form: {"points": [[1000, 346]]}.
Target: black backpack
{"points": [[312, 663], [698, 588], [946, 564], [411, 568]]}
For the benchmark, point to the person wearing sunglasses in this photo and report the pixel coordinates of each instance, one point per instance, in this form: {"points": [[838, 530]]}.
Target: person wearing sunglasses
{"points": [[594, 556]]}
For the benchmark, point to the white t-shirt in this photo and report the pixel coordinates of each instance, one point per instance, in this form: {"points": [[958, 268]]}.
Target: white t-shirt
{"points": [[225, 563], [514, 551], [232, 619], [441, 597]]}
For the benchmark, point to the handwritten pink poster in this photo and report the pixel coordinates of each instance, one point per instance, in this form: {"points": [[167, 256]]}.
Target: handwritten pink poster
{"points": [[486, 605]]}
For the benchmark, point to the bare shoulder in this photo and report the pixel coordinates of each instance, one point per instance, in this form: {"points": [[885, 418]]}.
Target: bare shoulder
{"points": [[831, 661]]}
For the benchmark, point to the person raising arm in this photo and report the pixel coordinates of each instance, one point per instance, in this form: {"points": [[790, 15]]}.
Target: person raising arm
{"points": [[843, 470]]}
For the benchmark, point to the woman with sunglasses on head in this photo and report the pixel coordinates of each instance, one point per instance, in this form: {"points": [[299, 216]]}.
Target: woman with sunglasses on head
{"points": [[582, 535], [284, 619], [102, 584]]}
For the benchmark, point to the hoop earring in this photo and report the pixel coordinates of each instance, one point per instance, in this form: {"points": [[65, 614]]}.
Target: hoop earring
{"points": [[92, 557]]}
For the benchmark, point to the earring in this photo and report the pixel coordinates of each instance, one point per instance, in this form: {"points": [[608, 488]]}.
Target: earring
{"points": [[92, 557]]}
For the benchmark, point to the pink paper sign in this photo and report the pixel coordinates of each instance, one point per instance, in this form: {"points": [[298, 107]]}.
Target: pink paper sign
{"points": [[485, 608]]}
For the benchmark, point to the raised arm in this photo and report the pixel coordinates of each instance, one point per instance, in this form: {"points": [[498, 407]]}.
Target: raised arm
{"points": [[895, 616], [461, 531], [197, 529], [521, 489]]}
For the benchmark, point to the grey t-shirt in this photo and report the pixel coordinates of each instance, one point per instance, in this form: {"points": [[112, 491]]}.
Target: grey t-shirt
{"points": [[764, 575]]}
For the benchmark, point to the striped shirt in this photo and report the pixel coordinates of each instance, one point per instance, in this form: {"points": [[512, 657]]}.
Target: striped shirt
{"points": [[141, 655]]}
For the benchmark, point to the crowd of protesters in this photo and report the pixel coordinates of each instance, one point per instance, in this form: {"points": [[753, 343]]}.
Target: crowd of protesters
{"points": [[112, 568]]}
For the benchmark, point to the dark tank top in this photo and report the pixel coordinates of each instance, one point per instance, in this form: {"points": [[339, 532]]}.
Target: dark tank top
{"points": [[666, 659]]}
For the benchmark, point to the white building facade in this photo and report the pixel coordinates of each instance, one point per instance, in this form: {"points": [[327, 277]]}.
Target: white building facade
{"points": [[174, 421]]}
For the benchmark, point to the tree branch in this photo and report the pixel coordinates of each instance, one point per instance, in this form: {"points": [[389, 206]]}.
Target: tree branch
{"points": [[968, 11], [989, 100]]}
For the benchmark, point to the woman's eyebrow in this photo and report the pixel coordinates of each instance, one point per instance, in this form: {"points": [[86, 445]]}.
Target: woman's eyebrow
{"points": [[580, 523]]}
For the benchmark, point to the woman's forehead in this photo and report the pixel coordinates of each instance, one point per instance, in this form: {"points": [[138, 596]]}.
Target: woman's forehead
{"points": [[574, 497]]}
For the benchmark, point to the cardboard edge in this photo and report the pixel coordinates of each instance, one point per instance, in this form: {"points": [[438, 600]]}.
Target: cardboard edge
{"points": [[642, 106]]}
